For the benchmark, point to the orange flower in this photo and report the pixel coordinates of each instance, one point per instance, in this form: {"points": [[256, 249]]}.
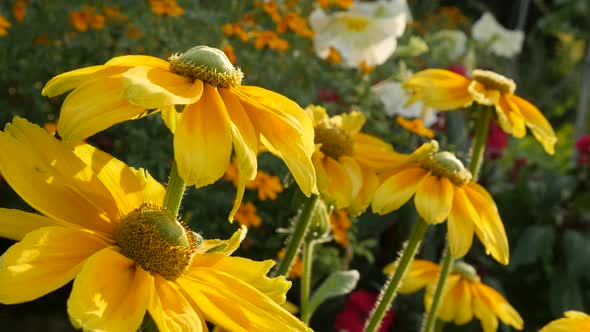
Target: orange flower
{"points": [[366, 69], [247, 215], [231, 29], [415, 126], [113, 14], [81, 18], [269, 39], [4, 25], [97, 22], [229, 52], [42, 40], [342, 3], [166, 7], [19, 10], [296, 269], [334, 56], [272, 9], [340, 225], [295, 23], [51, 127], [268, 186]]}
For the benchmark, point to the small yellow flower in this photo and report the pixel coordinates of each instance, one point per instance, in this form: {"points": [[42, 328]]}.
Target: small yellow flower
{"points": [[443, 189], [365, 69], [574, 321], [415, 126], [464, 295], [4, 25], [218, 113], [340, 225], [247, 215], [445, 90], [102, 226], [334, 56], [346, 160]]}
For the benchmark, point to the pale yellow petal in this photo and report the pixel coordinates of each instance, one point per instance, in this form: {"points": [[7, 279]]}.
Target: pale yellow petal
{"points": [[170, 117], [153, 88], [94, 106], [339, 191], [482, 95], [67, 81], [398, 189], [171, 310], [45, 260], [509, 118], [203, 140], [225, 247], [434, 199], [111, 293], [350, 122], [15, 224], [438, 88], [460, 227], [537, 123], [355, 174]]}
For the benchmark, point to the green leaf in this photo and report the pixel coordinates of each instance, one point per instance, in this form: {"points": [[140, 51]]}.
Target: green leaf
{"points": [[565, 294], [337, 284], [576, 250], [535, 243]]}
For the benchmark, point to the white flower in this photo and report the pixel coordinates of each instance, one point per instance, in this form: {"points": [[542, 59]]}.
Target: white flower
{"points": [[367, 31], [394, 97], [449, 44], [502, 42]]}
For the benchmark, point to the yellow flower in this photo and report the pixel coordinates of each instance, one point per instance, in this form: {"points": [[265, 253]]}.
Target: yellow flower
{"points": [[446, 90], [346, 160], [218, 113], [4, 25], [464, 295], [247, 215], [443, 189], [102, 225], [574, 321], [415, 126], [340, 225]]}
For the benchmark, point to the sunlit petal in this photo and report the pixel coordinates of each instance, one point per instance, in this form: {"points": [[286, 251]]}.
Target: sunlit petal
{"points": [[398, 189], [434, 199]]}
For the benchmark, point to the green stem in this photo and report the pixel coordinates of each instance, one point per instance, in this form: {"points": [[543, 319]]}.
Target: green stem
{"points": [[478, 148], [174, 191], [390, 288], [306, 280], [436, 299], [296, 239]]}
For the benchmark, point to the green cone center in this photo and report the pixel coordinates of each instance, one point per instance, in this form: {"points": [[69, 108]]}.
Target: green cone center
{"points": [[155, 240], [207, 64], [445, 164], [494, 81]]}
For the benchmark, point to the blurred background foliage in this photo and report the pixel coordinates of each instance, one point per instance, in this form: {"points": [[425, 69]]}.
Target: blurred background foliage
{"points": [[544, 200]]}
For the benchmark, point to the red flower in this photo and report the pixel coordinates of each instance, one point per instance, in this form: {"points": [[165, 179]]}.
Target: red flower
{"points": [[497, 141], [458, 69], [583, 147], [356, 311], [329, 96]]}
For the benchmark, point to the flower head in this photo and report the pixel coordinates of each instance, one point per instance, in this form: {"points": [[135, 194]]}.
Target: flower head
{"points": [[573, 321], [102, 225], [346, 160], [442, 189], [367, 32], [501, 41], [217, 113], [4, 25], [445, 90], [464, 295]]}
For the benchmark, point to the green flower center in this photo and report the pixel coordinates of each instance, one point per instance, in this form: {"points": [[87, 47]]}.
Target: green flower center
{"points": [[207, 64], [334, 140], [494, 81], [445, 164], [154, 239], [356, 23], [467, 271]]}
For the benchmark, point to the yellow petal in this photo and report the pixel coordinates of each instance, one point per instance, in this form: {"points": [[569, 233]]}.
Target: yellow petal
{"points": [[245, 141], [45, 260], [225, 247], [371, 151], [339, 191], [286, 131], [460, 225], [482, 95], [398, 189], [323, 179], [170, 117], [447, 307], [111, 293], [434, 199], [153, 191], [15, 224], [363, 198], [420, 274], [53, 180], [94, 106], [355, 174], [509, 118], [439, 89], [72, 79], [138, 60], [483, 310], [170, 309], [494, 302], [203, 140], [462, 299], [251, 272], [156, 88], [234, 305], [351, 122], [537, 123], [488, 227]]}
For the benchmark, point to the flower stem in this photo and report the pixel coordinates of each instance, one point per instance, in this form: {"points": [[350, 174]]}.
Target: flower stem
{"points": [[390, 288], [306, 280], [174, 191], [482, 128], [436, 299], [296, 239]]}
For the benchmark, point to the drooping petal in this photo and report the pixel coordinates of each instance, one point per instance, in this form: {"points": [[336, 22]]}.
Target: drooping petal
{"points": [[15, 224], [203, 140], [501, 307], [373, 152], [156, 88], [225, 247], [461, 296], [483, 311], [67, 81], [509, 118], [95, 105], [355, 174], [398, 189], [447, 307], [462, 217], [245, 141], [439, 89], [170, 117], [170, 309], [285, 129], [420, 274], [234, 305], [251, 272], [365, 195], [434, 199], [111, 293], [45, 260], [323, 179], [488, 227], [537, 123], [53, 180], [339, 189], [482, 95]]}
